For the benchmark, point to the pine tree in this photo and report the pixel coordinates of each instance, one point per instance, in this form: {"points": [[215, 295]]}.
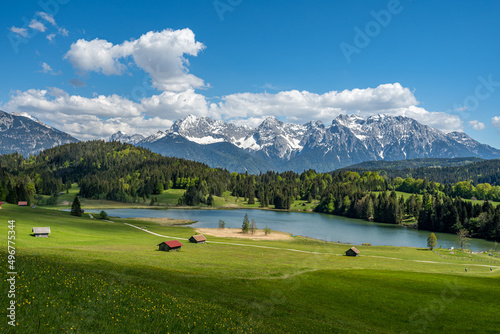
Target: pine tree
{"points": [[246, 224], [462, 238], [76, 209], [253, 226], [432, 241], [222, 224], [267, 230], [210, 200]]}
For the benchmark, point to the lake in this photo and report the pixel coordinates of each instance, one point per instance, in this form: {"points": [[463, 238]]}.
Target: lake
{"points": [[314, 225]]}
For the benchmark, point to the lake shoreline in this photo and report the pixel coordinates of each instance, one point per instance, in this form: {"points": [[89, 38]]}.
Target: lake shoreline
{"points": [[324, 227]]}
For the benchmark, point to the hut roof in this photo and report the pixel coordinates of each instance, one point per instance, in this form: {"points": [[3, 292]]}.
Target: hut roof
{"points": [[199, 237], [21, 203], [172, 243], [355, 250], [41, 230]]}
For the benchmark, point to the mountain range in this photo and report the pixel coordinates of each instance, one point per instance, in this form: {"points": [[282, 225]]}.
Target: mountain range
{"points": [[23, 133], [273, 145], [279, 146]]}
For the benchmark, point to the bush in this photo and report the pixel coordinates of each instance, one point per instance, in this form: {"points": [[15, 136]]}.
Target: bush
{"points": [[103, 215], [222, 224]]}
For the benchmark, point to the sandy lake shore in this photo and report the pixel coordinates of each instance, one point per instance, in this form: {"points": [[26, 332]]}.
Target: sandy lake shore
{"points": [[237, 233]]}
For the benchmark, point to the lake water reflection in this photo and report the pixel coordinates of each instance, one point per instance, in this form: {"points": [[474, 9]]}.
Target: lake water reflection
{"points": [[314, 225]]}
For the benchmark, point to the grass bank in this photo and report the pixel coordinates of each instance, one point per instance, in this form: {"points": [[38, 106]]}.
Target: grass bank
{"points": [[93, 276]]}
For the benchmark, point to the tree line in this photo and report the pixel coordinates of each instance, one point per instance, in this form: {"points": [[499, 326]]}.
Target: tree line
{"points": [[122, 172]]}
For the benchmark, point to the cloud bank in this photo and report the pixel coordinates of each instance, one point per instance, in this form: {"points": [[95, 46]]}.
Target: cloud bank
{"points": [[162, 55]]}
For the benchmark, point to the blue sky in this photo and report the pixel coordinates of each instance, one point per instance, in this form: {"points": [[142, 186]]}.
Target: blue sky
{"points": [[92, 68]]}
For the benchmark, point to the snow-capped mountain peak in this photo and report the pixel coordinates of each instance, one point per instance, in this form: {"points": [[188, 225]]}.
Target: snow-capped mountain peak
{"points": [[348, 140], [124, 138]]}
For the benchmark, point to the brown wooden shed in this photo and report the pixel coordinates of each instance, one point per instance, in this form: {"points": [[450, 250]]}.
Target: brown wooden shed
{"points": [[168, 246], [198, 239], [352, 252]]}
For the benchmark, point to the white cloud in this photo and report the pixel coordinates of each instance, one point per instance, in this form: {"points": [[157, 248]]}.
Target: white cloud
{"points": [[63, 31], [37, 25], [174, 105], [101, 116], [19, 31], [47, 18], [97, 55], [50, 37], [110, 113], [301, 107], [160, 54], [86, 127], [495, 121], [56, 100], [476, 125], [47, 69], [251, 122]]}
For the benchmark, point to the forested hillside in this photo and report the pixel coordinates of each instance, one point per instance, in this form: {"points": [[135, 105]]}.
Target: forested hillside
{"points": [[125, 173], [411, 163], [449, 171]]}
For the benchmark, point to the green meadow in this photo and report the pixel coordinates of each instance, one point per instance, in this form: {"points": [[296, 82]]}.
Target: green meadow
{"points": [[94, 276], [170, 198]]}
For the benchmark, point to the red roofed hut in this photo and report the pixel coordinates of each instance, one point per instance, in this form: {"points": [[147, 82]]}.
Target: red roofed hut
{"points": [[21, 203], [352, 252], [168, 246], [1, 204], [198, 239]]}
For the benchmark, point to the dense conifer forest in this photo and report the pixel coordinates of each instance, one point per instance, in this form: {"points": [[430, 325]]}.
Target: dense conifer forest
{"points": [[126, 173], [447, 171]]}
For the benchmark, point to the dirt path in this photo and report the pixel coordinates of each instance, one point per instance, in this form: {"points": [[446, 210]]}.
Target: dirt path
{"points": [[232, 243], [318, 253]]}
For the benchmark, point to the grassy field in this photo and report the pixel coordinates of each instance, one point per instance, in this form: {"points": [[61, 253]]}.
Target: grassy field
{"points": [[93, 276], [170, 198]]}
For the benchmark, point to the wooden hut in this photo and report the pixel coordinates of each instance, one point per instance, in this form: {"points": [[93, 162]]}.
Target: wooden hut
{"points": [[1, 205], [41, 232], [352, 252], [22, 203], [198, 239], [168, 246]]}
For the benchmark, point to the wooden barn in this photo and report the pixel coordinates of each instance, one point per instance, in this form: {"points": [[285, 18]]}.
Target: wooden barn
{"points": [[352, 252], [168, 246], [41, 232], [22, 203], [198, 239]]}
